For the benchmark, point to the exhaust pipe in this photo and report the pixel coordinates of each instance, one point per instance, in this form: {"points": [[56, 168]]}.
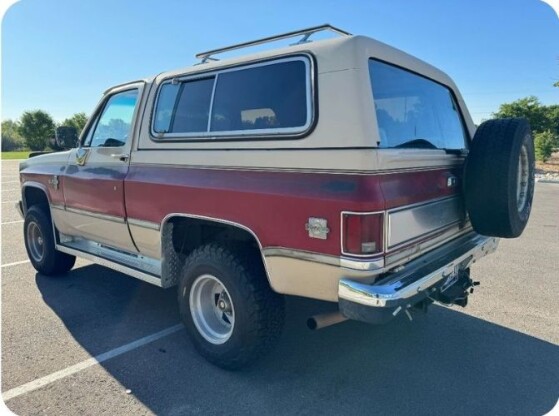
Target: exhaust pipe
{"points": [[325, 319]]}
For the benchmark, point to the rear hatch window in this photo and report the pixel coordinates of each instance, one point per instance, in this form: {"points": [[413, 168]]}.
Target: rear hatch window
{"points": [[413, 111]]}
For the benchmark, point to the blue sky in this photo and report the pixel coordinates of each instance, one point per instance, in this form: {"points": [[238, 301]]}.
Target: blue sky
{"points": [[60, 55]]}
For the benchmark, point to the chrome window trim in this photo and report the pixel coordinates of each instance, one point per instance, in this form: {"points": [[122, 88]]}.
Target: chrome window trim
{"points": [[212, 98], [208, 135], [383, 237]]}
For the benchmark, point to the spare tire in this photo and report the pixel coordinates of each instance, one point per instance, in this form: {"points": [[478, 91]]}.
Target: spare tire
{"points": [[499, 177]]}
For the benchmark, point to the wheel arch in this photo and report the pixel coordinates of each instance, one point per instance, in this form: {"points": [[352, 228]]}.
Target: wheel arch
{"points": [[174, 224], [34, 193]]}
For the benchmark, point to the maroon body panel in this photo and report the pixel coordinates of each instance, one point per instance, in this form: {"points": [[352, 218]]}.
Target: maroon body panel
{"points": [[276, 205], [42, 175], [97, 189]]}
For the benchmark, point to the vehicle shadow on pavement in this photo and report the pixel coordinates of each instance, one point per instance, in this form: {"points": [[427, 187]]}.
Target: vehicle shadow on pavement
{"points": [[443, 363]]}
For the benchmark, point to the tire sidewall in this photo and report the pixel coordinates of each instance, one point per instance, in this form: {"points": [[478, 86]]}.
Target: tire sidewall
{"points": [[241, 334], [518, 220], [37, 216]]}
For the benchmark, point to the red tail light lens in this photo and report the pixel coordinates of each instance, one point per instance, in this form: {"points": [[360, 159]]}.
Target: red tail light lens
{"points": [[362, 233]]}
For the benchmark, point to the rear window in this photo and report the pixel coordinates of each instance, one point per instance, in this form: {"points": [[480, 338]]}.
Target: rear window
{"points": [[266, 98], [413, 111]]}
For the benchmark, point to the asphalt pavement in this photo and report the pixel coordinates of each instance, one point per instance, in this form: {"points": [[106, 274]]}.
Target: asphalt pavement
{"points": [[498, 356]]}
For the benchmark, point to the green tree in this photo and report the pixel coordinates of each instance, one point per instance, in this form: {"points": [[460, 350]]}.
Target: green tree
{"points": [[11, 140], [544, 143], [36, 128], [542, 118], [529, 107], [77, 121]]}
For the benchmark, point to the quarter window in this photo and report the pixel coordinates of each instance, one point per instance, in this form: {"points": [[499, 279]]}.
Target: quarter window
{"points": [[270, 98]]}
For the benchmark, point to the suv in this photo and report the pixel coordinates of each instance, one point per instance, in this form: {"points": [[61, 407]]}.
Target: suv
{"points": [[341, 169]]}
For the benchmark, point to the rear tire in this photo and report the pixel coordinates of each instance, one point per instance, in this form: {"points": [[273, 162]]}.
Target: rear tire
{"points": [[232, 315], [499, 177], [39, 243]]}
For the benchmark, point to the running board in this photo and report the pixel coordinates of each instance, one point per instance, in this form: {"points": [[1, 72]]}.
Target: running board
{"points": [[135, 265]]}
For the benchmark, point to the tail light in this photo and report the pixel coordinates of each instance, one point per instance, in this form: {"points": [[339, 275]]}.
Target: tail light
{"points": [[362, 233]]}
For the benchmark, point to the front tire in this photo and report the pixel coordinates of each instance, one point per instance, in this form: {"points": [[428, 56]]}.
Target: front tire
{"points": [[232, 315], [39, 243]]}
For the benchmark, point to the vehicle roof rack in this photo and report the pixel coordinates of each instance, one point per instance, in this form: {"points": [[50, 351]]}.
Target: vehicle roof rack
{"points": [[305, 33]]}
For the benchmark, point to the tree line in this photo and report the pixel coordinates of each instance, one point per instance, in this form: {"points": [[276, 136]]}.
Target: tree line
{"points": [[544, 120], [35, 129]]}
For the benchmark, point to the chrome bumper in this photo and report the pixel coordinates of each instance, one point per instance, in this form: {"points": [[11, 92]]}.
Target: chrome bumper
{"points": [[381, 301]]}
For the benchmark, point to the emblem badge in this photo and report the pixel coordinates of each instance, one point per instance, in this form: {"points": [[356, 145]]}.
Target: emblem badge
{"points": [[317, 228]]}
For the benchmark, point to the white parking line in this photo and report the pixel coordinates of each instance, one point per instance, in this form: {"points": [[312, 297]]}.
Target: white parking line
{"points": [[12, 222], [43, 381], [10, 182], [9, 202], [11, 190], [15, 263]]}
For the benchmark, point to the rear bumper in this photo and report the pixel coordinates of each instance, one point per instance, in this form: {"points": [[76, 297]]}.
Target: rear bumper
{"points": [[383, 300]]}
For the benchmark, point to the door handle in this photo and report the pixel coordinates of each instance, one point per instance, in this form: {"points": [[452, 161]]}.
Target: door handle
{"points": [[123, 157]]}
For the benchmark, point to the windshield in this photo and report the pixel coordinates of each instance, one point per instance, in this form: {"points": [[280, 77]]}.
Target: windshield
{"points": [[413, 111]]}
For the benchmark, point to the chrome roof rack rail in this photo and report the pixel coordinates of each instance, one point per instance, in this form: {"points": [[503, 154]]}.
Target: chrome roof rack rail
{"points": [[305, 33]]}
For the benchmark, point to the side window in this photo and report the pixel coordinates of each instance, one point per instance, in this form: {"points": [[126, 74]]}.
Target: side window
{"points": [[184, 107], [113, 126], [266, 98]]}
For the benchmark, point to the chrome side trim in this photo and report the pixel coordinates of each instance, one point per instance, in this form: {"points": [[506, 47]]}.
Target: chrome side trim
{"points": [[112, 218], [144, 224], [345, 262], [221, 221], [401, 286], [114, 265], [285, 170], [374, 266], [397, 257]]}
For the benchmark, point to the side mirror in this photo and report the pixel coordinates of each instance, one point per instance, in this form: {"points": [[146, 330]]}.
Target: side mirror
{"points": [[66, 137]]}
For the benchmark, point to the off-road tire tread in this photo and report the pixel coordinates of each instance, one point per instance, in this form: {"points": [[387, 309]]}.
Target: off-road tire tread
{"points": [[54, 262], [266, 308], [489, 200]]}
